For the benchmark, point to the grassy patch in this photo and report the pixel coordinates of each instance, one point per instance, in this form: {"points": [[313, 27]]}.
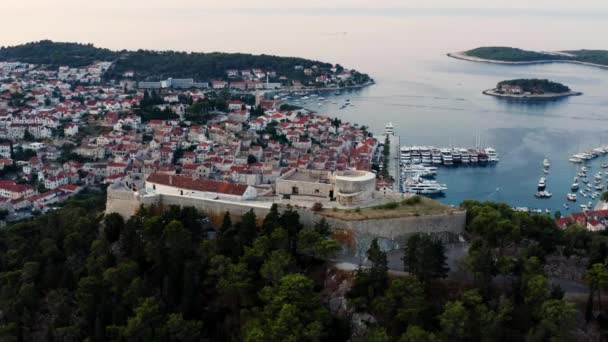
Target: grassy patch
{"points": [[413, 206]]}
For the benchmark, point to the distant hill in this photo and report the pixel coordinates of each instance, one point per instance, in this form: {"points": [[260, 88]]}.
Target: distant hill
{"points": [[156, 65], [514, 55]]}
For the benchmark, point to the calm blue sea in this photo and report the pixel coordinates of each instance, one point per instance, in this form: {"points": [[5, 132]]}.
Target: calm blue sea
{"points": [[442, 104]]}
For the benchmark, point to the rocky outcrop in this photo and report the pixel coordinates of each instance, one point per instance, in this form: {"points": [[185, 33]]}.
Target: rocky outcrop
{"points": [[563, 267], [336, 286]]}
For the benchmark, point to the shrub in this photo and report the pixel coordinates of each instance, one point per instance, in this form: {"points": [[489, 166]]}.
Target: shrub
{"points": [[389, 206], [413, 200], [358, 210], [317, 206]]}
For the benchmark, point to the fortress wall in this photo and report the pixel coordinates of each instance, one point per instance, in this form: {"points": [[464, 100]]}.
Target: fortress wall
{"points": [[391, 232]]}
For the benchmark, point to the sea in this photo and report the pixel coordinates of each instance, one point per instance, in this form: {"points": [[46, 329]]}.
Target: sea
{"points": [[431, 99]]}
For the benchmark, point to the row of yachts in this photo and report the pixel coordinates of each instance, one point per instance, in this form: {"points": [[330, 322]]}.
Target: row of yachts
{"points": [[447, 156], [418, 179], [582, 157]]}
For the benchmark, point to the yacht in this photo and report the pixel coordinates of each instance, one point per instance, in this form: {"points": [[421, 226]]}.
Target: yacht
{"points": [[574, 185], [424, 187], [604, 165], [584, 169], [546, 163], [436, 156], [599, 187], [446, 155], [483, 157], [571, 197], [464, 156], [492, 156], [473, 156], [575, 160], [543, 194], [598, 176], [542, 184], [456, 155]]}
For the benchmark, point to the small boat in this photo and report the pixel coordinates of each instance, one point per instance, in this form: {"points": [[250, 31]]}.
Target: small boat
{"points": [[585, 180], [574, 186], [543, 194], [542, 184], [584, 169], [604, 165], [575, 160], [571, 197], [546, 163], [546, 171], [566, 206]]}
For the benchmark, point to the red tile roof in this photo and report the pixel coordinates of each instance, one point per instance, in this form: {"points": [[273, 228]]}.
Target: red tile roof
{"points": [[205, 185]]}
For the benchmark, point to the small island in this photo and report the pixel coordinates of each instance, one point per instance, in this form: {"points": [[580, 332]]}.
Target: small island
{"points": [[528, 89], [515, 56]]}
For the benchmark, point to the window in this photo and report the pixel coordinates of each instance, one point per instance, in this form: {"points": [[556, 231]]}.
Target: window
{"points": [[295, 190], [316, 191]]}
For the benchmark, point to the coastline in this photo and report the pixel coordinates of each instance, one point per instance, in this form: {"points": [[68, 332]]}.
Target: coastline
{"points": [[463, 56], [290, 89], [549, 96]]}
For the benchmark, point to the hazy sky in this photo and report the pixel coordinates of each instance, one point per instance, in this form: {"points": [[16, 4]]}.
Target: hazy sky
{"points": [[324, 29]]}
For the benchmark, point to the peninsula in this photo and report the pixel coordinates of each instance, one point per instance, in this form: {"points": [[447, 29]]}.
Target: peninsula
{"points": [[530, 89], [235, 70], [514, 56]]}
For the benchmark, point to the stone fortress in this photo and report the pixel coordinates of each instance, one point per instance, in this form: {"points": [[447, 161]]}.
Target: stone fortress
{"points": [[299, 188]]}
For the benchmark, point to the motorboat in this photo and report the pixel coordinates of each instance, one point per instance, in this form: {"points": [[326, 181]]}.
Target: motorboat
{"points": [[571, 197], [574, 186], [604, 165], [491, 153], [418, 185], [566, 206], [543, 194], [542, 184], [546, 163], [575, 160]]}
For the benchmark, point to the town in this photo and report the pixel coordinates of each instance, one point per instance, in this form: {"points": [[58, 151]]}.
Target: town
{"points": [[66, 130]]}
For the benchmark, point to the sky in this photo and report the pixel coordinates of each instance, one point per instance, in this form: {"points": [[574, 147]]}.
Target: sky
{"points": [[313, 28]]}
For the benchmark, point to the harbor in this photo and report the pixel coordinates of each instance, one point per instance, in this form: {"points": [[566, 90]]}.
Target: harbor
{"points": [[419, 165]]}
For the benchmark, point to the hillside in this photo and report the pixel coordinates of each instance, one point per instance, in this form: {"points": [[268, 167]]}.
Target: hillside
{"points": [[156, 65], [514, 55]]}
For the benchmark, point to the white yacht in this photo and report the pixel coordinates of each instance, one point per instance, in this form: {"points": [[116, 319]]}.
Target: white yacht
{"points": [[424, 187], [575, 160], [571, 197], [456, 155], [546, 163], [542, 185], [543, 194], [446, 155], [492, 156], [574, 185]]}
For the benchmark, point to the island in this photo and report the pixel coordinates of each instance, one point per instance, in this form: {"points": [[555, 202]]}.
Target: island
{"points": [[530, 89], [515, 56]]}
